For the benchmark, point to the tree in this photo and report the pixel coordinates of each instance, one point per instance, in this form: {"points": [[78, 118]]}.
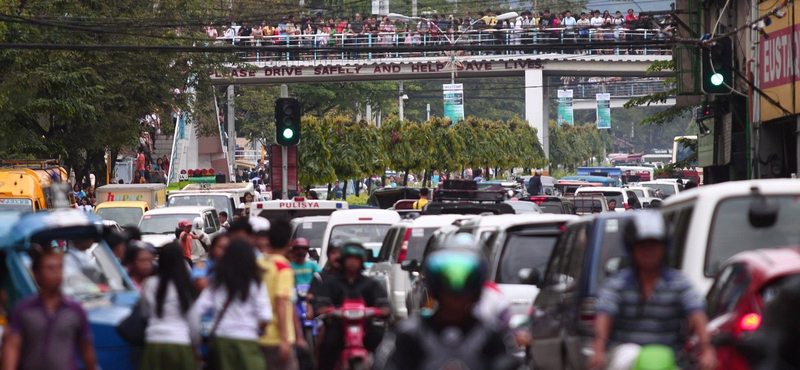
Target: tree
{"points": [[79, 105]]}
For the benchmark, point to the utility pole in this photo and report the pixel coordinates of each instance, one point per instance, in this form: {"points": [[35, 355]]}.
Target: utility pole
{"points": [[231, 136], [400, 97], [413, 8]]}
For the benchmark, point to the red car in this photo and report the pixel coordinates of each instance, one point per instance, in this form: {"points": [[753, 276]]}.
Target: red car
{"points": [[745, 284]]}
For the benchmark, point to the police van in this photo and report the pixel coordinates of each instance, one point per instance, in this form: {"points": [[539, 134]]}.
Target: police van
{"points": [[296, 207]]}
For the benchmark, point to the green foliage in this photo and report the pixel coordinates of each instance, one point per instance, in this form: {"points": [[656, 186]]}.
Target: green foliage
{"points": [[360, 200], [572, 145], [335, 147]]}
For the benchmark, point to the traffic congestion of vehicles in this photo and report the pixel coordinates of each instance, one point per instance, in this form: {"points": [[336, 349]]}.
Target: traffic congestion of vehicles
{"points": [[553, 270]]}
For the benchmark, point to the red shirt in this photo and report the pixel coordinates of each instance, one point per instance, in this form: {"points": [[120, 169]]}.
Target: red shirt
{"points": [[186, 243], [140, 162]]}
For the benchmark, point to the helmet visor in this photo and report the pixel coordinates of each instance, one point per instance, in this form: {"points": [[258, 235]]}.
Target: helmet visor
{"points": [[457, 272]]}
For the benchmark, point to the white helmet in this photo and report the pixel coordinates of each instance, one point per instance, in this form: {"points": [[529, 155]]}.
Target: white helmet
{"points": [[198, 223]]}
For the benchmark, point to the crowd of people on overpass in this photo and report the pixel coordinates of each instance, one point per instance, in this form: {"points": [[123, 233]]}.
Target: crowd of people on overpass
{"points": [[528, 28]]}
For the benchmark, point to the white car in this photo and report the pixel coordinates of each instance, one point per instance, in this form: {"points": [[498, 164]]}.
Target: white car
{"points": [[516, 243], [406, 240], [158, 225], [643, 191], [714, 222], [625, 198], [667, 186], [367, 225]]}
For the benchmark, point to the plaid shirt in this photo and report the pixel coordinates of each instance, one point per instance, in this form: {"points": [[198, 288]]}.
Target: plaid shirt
{"points": [[659, 320]]}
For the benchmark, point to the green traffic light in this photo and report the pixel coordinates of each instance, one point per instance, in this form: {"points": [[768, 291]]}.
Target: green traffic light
{"points": [[717, 79], [288, 133]]}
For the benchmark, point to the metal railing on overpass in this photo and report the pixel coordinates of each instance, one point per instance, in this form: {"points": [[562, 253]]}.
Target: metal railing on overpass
{"points": [[587, 88], [383, 45]]}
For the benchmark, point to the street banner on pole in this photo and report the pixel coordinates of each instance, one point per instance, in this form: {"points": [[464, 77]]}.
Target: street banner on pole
{"points": [[454, 101], [604, 111], [565, 112]]}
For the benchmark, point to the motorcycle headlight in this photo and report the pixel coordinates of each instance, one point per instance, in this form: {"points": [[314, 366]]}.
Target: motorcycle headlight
{"points": [[353, 314]]}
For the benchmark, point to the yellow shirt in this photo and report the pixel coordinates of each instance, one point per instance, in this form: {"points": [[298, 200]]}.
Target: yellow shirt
{"points": [[279, 277], [420, 204]]}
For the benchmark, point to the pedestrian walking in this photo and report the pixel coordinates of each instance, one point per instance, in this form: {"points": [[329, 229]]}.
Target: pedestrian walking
{"points": [[241, 310], [167, 298], [48, 328]]}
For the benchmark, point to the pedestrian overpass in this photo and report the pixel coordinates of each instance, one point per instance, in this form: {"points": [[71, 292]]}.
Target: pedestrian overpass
{"points": [[534, 63]]}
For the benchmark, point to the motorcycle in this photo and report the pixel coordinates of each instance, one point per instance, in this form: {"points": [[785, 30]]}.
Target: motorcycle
{"points": [[306, 314], [354, 314]]}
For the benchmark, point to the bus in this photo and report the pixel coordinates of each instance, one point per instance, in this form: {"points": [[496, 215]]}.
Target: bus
{"points": [[680, 152]]}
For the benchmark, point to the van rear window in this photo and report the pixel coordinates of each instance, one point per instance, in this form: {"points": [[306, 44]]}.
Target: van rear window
{"points": [[731, 231]]}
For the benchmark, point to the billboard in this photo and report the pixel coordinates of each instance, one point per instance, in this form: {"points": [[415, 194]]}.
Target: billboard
{"points": [[454, 101], [565, 108], [779, 71]]}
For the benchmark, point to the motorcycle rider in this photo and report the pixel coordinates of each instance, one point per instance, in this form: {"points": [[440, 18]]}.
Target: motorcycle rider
{"points": [[349, 283], [453, 337], [647, 303], [304, 269], [332, 267]]}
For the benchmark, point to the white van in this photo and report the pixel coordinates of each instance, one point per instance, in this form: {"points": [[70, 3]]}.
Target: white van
{"points": [[367, 225], [296, 207], [158, 225], [625, 198], [713, 222]]}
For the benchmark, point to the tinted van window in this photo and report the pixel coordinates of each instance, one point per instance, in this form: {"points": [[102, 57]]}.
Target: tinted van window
{"points": [[611, 245], [523, 251]]}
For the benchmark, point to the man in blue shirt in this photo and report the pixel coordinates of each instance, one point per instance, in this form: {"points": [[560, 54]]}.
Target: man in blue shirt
{"points": [[648, 303], [337, 190], [304, 269]]}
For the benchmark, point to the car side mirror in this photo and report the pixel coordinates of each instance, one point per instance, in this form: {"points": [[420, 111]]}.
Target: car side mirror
{"points": [[313, 253], [529, 276], [614, 264], [209, 230], [410, 265]]}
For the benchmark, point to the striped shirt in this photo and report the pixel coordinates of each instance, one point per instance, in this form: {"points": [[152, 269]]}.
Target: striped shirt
{"points": [[659, 320]]}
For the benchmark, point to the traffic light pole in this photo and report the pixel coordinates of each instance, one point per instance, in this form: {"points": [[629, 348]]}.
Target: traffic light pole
{"points": [[284, 156]]}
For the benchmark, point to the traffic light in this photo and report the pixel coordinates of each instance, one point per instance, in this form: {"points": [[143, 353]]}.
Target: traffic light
{"points": [[287, 121], [717, 68]]}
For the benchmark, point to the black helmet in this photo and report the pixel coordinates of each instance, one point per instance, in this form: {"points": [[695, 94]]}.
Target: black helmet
{"points": [[460, 268], [646, 225]]}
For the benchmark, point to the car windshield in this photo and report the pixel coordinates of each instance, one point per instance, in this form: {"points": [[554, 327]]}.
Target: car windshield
{"points": [[524, 207], [609, 195], [588, 205], [667, 189], [551, 207], [125, 217], [17, 205], [731, 231], [311, 231], [163, 224], [219, 202], [87, 273], [366, 233], [523, 251]]}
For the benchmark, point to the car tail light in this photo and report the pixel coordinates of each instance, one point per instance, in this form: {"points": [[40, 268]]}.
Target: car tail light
{"points": [[299, 199], [365, 218], [562, 228], [750, 322], [259, 205], [588, 311], [404, 247]]}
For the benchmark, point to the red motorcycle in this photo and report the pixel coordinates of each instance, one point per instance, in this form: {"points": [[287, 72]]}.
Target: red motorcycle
{"points": [[354, 314]]}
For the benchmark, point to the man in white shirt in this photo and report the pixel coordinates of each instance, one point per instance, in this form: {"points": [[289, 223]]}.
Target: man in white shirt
{"points": [[569, 24]]}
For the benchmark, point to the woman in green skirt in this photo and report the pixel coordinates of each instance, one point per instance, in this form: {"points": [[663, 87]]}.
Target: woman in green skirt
{"points": [[241, 309], [167, 300]]}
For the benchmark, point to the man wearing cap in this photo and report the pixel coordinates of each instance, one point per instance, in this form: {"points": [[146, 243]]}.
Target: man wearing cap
{"points": [[260, 227], [186, 239], [304, 269]]}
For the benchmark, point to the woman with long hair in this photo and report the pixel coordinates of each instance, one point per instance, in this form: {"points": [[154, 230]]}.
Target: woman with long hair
{"points": [[167, 301], [241, 308]]}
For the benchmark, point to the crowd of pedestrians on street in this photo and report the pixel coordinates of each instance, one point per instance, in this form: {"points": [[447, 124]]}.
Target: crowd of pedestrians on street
{"points": [[483, 28]]}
